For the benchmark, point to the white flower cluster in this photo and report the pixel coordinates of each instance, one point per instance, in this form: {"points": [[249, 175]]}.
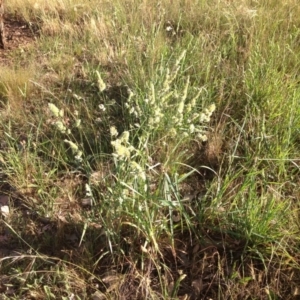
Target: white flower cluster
{"points": [[205, 116], [124, 151], [169, 109], [122, 147], [77, 153], [58, 114], [60, 124]]}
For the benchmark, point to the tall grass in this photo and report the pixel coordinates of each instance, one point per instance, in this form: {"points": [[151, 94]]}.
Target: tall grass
{"points": [[150, 151]]}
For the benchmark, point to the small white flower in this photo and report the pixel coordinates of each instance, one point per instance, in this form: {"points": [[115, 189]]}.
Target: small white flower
{"points": [[60, 126], [54, 109], [172, 132], [88, 191], [157, 119], [212, 108], [130, 95], [202, 137], [132, 110], [78, 156], [113, 131], [121, 151], [192, 128], [125, 137], [204, 118], [78, 123], [102, 107]]}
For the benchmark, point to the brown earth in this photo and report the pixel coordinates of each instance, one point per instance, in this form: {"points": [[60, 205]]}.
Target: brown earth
{"points": [[18, 35]]}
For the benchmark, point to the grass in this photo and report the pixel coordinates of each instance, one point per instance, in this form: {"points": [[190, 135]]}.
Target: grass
{"points": [[151, 151]]}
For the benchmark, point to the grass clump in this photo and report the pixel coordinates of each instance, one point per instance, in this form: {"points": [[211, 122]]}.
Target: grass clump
{"points": [[151, 152]]}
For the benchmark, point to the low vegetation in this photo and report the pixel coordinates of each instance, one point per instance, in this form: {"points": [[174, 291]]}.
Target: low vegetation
{"points": [[150, 150]]}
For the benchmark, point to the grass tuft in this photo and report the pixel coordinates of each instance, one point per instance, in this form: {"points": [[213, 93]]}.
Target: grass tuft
{"points": [[150, 151]]}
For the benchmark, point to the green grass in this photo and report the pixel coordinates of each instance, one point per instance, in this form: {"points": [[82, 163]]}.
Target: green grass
{"points": [[151, 151]]}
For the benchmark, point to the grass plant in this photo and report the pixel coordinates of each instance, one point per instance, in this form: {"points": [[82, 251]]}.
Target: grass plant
{"points": [[150, 150]]}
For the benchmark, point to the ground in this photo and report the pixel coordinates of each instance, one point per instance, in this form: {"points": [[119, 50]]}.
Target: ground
{"points": [[19, 35]]}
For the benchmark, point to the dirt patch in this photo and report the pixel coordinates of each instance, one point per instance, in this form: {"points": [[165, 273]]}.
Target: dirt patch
{"points": [[18, 34]]}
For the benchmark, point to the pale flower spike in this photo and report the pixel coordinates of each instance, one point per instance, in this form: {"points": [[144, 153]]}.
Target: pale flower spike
{"points": [[166, 84], [120, 150], [61, 113], [185, 91], [88, 191], [113, 131], [212, 108], [78, 156], [101, 83], [205, 116], [54, 109], [178, 61], [125, 137], [78, 123], [60, 126], [72, 145], [180, 107]]}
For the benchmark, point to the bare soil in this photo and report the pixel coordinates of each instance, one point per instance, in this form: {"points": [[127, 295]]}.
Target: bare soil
{"points": [[18, 35]]}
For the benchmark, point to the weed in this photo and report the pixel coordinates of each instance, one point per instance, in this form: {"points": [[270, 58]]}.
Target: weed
{"points": [[150, 151]]}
